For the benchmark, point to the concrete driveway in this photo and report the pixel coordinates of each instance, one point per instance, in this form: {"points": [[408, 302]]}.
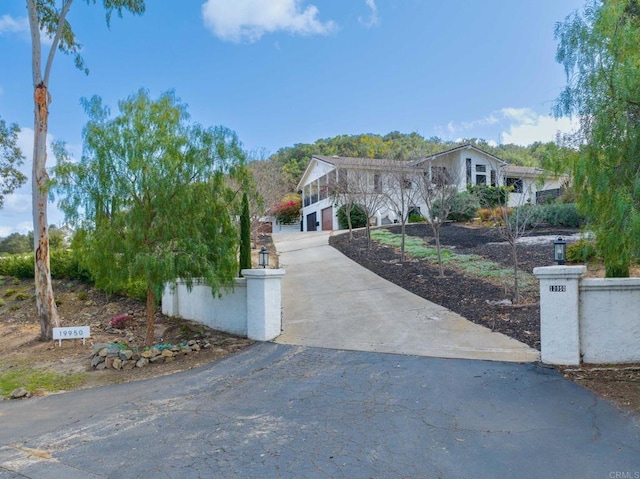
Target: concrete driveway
{"points": [[279, 411], [332, 302]]}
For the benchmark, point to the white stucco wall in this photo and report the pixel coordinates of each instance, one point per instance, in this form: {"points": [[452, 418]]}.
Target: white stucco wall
{"points": [[610, 320], [591, 320], [252, 309], [227, 313]]}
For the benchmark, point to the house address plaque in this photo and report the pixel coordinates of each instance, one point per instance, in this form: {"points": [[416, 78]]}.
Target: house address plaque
{"points": [[557, 288]]}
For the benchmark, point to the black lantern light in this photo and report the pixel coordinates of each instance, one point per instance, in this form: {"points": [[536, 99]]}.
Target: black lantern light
{"points": [[263, 257], [560, 250]]}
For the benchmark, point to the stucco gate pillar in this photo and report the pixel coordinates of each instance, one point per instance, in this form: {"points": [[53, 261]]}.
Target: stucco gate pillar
{"points": [[559, 314], [264, 303]]}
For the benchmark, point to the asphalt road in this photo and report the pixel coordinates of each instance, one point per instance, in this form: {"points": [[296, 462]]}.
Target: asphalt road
{"points": [[286, 411]]}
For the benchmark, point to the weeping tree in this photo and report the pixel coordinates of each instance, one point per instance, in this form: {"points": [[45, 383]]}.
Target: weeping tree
{"points": [[50, 17], [155, 197], [598, 48]]}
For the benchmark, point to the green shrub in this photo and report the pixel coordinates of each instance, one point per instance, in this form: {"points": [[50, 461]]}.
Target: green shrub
{"points": [[358, 217], [415, 217], [489, 196], [20, 266], [555, 214], [562, 214], [464, 207], [581, 252], [64, 264]]}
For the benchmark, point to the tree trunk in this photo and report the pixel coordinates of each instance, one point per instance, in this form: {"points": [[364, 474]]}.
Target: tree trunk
{"points": [[436, 234], [349, 209], [151, 312], [402, 243], [516, 285], [45, 302]]}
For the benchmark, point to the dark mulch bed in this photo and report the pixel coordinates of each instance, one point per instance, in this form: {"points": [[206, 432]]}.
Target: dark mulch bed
{"points": [[470, 297]]}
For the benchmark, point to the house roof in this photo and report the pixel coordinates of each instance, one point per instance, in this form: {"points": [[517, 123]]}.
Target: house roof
{"points": [[523, 171], [467, 146], [347, 162]]}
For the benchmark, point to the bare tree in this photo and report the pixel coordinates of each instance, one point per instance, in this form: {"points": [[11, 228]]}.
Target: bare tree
{"points": [[270, 187], [359, 183], [401, 193], [438, 189], [516, 222], [341, 194]]}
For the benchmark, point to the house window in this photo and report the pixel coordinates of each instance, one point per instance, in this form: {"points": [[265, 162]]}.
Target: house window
{"points": [[468, 171], [377, 183], [314, 192], [493, 178], [307, 197], [324, 187], [406, 183], [516, 184], [481, 168], [481, 179]]}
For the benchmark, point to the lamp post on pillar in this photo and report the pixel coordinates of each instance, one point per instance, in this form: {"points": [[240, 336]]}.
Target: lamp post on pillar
{"points": [[263, 258], [560, 251]]}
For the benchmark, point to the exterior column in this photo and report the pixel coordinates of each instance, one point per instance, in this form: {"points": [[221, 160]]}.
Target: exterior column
{"points": [[559, 314], [264, 303]]}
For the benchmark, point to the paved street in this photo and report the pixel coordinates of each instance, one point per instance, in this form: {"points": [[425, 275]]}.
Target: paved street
{"points": [[298, 412]]}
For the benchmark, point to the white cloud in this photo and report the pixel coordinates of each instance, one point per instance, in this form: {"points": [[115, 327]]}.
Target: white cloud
{"points": [[249, 20], [520, 126], [21, 27], [8, 24], [373, 19], [528, 127]]}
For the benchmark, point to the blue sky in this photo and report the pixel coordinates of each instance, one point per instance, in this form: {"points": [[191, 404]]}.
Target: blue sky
{"points": [[280, 72]]}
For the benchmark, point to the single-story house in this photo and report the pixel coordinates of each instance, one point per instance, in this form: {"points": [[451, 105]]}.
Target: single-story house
{"points": [[463, 166]]}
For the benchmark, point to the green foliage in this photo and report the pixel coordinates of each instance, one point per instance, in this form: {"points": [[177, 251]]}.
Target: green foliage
{"points": [[10, 159], [554, 214], [158, 196], [464, 207], [245, 235], [16, 243], [489, 196], [18, 266], [582, 251], [64, 264], [416, 217], [358, 217], [598, 48]]}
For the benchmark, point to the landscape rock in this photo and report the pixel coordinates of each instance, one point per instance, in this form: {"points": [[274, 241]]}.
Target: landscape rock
{"points": [[20, 393], [142, 362], [126, 354]]}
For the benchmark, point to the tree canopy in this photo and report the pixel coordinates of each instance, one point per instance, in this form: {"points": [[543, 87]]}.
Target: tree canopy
{"points": [[153, 195], [11, 178], [598, 48]]}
